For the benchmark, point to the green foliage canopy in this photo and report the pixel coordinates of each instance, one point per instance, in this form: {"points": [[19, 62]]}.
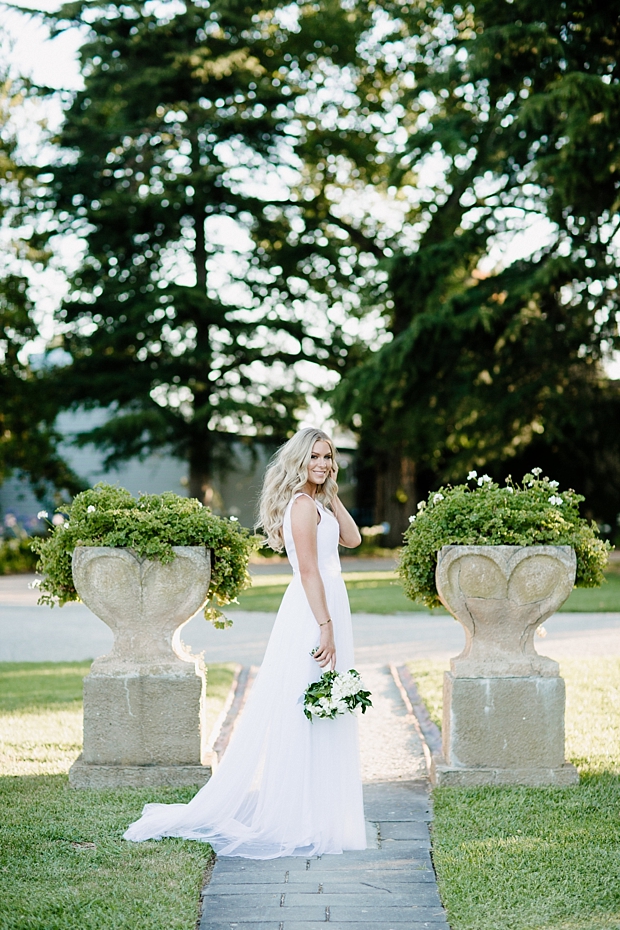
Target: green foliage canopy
{"points": [[28, 440], [205, 275], [517, 109]]}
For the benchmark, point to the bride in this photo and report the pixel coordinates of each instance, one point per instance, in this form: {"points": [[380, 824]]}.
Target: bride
{"points": [[287, 786]]}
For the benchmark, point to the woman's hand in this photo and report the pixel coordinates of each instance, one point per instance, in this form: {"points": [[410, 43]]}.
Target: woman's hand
{"points": [[326, 653], [349, 533]]}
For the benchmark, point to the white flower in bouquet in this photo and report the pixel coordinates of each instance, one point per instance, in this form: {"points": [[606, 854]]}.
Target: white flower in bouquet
{"points": [[335, 693], [350, 684]]}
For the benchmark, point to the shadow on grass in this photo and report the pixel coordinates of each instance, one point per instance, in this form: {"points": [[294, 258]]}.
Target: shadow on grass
{"points": [[65, 865]]}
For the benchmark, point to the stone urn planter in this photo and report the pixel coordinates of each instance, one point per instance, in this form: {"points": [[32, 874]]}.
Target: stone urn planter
{"points": [[144, 702], [503, 703]]}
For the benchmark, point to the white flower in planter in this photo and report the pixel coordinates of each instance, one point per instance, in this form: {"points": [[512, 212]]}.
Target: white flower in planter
{"points": [[91, 509], [42, 515], [512, 527], [473, 474], [437, 497]]}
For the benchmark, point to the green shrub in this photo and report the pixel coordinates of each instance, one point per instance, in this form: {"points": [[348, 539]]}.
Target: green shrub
{"points": [[483, 513], [150, 526], [16, 556]]}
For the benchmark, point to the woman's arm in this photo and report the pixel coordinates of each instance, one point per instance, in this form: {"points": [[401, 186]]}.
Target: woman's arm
{"points": [[303, 524], [349, 533]]}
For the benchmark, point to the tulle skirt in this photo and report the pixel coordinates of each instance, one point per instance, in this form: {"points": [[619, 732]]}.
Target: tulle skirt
{"points": [[286, 786]]}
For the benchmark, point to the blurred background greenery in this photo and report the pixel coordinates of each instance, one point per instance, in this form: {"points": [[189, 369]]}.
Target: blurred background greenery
{"points": [[399, 219]]}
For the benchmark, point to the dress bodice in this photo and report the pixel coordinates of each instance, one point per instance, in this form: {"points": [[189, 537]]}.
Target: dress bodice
{"points": [[328, 536]]}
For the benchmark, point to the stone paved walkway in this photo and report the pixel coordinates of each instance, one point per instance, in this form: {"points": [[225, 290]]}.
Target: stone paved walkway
{"points": [[389, 886]]}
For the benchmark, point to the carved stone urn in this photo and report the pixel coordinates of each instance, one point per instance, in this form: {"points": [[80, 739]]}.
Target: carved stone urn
{"points": [[503, 703], [144, 702]]}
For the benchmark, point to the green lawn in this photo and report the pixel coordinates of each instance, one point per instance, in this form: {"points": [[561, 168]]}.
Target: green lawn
{"points": [[607, 597], [541, 859], [63, 861], [382, 593], [369, 592]]}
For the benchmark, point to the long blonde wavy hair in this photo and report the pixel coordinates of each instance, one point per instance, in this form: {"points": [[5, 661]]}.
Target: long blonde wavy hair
{"points": [[286, 474]]}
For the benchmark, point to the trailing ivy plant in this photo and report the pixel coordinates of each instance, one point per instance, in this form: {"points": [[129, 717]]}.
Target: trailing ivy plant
{"points": [[481, 513], [150, 526]]}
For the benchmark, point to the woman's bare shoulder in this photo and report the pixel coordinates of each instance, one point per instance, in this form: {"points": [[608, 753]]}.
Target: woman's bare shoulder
{"points": [[304, 502], [304, 509]]}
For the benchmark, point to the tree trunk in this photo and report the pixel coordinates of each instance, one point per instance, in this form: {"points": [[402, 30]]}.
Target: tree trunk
{"points": [[200, 479], [200, 458], [396, 496]]}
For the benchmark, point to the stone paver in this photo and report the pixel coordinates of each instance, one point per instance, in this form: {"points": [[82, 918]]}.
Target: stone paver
{"points": [[389, 885]]}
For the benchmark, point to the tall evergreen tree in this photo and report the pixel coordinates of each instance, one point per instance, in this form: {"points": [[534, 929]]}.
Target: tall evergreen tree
{"points": [[517, 105], [205, 278]]}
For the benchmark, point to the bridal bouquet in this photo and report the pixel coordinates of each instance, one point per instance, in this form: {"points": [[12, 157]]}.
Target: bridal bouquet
{"points": [[336, 693]]}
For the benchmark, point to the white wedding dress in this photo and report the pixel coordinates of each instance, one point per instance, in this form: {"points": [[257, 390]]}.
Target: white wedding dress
{"points": [[285, 786]]}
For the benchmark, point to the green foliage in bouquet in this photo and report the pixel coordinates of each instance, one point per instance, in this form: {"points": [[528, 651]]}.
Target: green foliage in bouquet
{"points": [[482, 513], [336, 693], [150, 526]]}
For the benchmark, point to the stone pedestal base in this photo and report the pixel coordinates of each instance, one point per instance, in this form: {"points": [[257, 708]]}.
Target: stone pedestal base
{"points": [[501, 731], [145, 719], [86, 775], [446, 776]]}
